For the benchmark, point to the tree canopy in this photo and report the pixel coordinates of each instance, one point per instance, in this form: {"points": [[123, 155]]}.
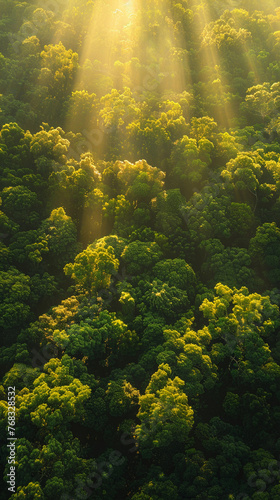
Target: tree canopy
{"points": [[140, 249]]}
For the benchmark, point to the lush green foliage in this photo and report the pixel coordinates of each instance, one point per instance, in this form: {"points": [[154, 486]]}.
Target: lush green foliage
{"points": [[140, 248]]}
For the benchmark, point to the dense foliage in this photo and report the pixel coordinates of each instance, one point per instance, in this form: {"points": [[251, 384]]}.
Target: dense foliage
{"points": [[140, 248]]}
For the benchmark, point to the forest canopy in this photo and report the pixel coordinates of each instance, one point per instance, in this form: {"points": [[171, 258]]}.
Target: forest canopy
{"points": [[140, 249]]}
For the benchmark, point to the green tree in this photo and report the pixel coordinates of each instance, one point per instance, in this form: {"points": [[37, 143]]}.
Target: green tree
{"points": [[81, 111], [167, 301], [164, 411], [61, 235], [239, 321], [242, 221], [50, 143], [21, 205], [121, 398], [206, 215], [190, 159], [56, 396], [139, 182], [177, 273], [15, 308], [56, 78], [231, 265], [263, 100], [92, 269], [140, 256], [31, 491], [168, 207], [264, 250]]}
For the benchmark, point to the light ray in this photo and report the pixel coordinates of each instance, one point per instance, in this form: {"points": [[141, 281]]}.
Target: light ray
{"points": [[214, 84], [133, 44]]}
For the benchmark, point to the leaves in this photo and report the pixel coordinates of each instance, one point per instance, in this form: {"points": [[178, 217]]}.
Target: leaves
{"points": [[92, 269], [164, 411]]}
